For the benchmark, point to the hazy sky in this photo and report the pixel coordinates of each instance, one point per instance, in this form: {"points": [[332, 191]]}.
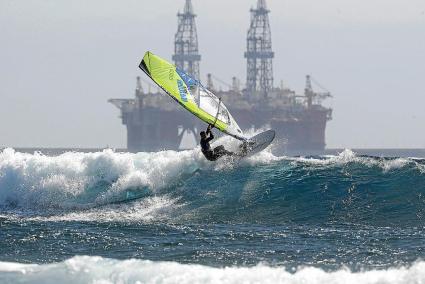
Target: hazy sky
{"points": [[60, 61]]}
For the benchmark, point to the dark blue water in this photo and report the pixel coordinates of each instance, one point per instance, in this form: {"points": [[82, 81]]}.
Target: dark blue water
{"points": [[333, 214]]}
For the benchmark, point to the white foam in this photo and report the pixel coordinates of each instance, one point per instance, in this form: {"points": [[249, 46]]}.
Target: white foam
{"points": [[348, 156], [78, 179], [85, 269], [262, 158], [146, 210], [84, 180]]}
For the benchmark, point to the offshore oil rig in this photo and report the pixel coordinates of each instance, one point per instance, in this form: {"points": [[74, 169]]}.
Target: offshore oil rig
{"points": [[155, 122]]}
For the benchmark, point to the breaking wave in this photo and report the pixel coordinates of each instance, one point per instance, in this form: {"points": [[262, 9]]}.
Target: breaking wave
{"points": [[84, 269], [184, 187]]}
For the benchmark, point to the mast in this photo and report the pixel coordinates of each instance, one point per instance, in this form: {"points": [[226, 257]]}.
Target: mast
{"points": [[139, 88], [308, 91], [312, 96]]}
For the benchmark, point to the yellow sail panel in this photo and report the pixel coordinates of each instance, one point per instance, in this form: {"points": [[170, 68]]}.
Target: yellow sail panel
{"points": [[164, 74]]}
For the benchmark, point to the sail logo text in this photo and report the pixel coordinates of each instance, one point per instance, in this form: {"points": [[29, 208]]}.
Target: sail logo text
{"points": [[182, 90]]}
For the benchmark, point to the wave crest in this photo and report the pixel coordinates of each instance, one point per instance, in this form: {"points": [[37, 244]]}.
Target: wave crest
{"points": [[184, 187], [86, 179]]}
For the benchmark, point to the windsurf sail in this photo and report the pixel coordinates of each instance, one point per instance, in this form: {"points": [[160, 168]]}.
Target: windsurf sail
{"points": [[191, 94]]}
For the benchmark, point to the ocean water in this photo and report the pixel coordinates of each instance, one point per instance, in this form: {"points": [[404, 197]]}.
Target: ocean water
{"points": [[173, 217]]}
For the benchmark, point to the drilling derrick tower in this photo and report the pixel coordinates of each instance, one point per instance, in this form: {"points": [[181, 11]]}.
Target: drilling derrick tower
{"points": [[186, 56], [259, 52]]}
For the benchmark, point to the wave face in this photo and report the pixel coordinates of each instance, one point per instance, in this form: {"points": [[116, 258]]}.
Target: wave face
{"points": [[329, 219], [182, 187], [100, 270]]}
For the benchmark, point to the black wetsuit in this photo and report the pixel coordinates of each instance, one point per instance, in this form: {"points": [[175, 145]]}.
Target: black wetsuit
{"points": [[210, 154]]}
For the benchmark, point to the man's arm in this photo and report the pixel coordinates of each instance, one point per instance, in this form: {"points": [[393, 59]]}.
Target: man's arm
{"points": [[211, 135]]}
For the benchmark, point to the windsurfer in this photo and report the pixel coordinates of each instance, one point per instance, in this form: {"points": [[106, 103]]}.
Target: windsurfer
{"points": [[212, 154]]}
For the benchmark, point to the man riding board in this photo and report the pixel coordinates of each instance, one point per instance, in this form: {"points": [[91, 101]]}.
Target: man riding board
{"points": [[212, 154]]}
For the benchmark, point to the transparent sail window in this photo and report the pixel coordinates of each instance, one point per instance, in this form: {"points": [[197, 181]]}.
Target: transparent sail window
{"points": [[211, 104], [205, 100]]}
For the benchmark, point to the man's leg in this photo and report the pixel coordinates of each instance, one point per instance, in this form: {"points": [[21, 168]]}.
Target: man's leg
{"points": [[221, 151], [210, 155]]}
